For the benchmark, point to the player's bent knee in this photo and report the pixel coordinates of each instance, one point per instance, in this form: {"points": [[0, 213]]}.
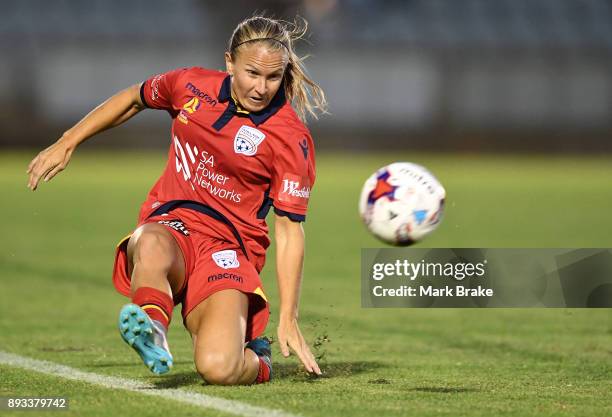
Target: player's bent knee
{"points": [[218, 368], [155, 248]]}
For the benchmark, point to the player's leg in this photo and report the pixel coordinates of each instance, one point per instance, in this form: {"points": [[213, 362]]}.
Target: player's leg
{"points": [[156, 265], [218, 327], [155, 260]]}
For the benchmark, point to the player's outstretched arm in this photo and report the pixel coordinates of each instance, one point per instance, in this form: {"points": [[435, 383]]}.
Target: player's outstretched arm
{"points": [[289, 237], [114, 111]]}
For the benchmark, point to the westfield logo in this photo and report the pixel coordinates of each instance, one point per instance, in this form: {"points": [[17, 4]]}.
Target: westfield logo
{"points": [[293, 189]]}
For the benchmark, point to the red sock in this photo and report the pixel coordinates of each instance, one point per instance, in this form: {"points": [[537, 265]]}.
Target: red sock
{"points": [[264, 372], [157, 304]]}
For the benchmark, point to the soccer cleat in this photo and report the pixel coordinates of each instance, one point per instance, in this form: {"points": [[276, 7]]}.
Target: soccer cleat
{"points": [[147, 337], [261, 347]]}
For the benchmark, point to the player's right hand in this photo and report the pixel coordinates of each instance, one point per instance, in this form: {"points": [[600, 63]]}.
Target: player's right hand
{"points": [[48, 163]]}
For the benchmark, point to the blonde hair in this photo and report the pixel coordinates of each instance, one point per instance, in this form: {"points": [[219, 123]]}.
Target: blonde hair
{"points": [[305, 95]]}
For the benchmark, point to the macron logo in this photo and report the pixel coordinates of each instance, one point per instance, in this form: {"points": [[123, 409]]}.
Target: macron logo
{"points": [[201, 94]]}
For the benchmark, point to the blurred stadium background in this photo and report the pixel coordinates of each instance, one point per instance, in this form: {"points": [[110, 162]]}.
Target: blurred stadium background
{"points": [[470, 75]]}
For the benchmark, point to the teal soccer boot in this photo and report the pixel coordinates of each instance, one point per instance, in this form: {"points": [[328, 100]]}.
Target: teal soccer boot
{"points": [[147, 337]]}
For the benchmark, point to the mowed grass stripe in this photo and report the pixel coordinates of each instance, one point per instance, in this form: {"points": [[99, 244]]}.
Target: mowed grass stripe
{"points": [[201, 400]]}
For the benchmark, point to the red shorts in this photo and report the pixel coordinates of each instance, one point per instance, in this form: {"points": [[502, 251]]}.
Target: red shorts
{"points": [[211, 264]]}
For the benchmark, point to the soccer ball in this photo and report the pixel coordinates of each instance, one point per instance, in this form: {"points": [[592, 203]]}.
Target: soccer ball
{"points": [[402, 203]]}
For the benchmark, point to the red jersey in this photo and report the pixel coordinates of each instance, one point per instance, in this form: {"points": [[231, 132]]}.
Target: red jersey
{"points": [[238, 164]]}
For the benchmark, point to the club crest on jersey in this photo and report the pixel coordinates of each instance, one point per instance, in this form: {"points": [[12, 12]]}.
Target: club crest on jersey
{"points": [[247, 139], [226, 259], [189, 108]]}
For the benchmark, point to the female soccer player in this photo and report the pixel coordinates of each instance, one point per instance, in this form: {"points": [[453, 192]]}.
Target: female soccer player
{"points": [[238, 148]]}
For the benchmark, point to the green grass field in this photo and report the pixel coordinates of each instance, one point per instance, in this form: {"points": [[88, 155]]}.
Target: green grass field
{"points": [[57, 302]]}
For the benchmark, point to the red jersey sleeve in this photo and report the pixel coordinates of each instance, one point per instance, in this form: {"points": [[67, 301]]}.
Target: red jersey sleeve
{"points": [[293, 175], [158, 91]]}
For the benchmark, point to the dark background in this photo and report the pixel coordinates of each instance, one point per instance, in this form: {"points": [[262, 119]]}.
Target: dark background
{"points": [[455, 75]]}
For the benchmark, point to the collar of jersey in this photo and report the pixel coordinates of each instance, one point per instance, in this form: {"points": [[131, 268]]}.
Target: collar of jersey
{"points": [[239, 108], [225, 94]]}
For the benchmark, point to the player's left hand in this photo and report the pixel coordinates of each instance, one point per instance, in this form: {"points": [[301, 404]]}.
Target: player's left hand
{"points": [[289, 336]]}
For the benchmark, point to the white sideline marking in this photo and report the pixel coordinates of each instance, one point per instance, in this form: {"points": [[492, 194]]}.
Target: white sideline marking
{"points": [[202, 400]]}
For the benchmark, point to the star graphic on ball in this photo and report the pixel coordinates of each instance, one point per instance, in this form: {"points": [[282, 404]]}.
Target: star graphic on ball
{"points": [[382, 189]]}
